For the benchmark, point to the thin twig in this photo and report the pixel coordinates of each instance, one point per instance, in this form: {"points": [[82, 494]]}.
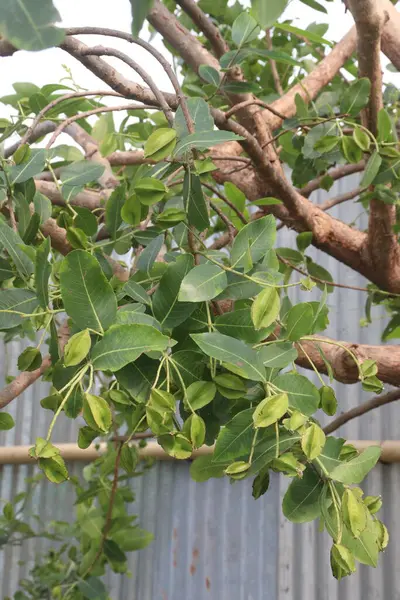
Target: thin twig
{"points": [[104, 51], [89, 113], [28, 133], [226, 201], [206, 26], [230, 226], [255, 102], [272, 64], [362, 409], [342, 198]]}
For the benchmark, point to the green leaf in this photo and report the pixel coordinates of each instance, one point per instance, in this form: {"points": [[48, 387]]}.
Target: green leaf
{"points": [[303, 395], [129, 458], [131, 210], [194, 202], [210, 75], [6, 271], [316, 5], [24, 171], [43, 206], [140, 10], [265, 309], [203, 282], [268, 445], [301, 501], [200, 394], [54, 468], [354, 513], [123, 344], [191, 365], [254, 240], [361, 138], [160, 144], [328, 400], [136, 292], [176, 446], [351, 151], [138, 377], [77, 348], [342, 561], [78, 174], [299, 321], [149, 254], [132, 538], [313, 441], [18, 300], [384, 126], [303, 33], [43, 272], [12, 242], [87, 295], [30, 359], [355, 470], [356, 97], [238, 324], [97, 413], [278, 355], [270, 410], [203, 140], [230, 386], [150, 190], [169, 312], [267, 13], [29, 24], [234, 440], [371, 169], [197, 429], [93, 588], [200, 113], [245, 29], [232, 351], [6, 421], [114, 205], [202, 469]]}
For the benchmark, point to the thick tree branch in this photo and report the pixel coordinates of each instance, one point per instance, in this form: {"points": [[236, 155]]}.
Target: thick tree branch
{"points": [[311, 85], [22, 382], [383, 248], [362, 409], [344, 368], [87, 199]]}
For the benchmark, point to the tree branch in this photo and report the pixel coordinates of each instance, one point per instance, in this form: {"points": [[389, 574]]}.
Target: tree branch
{"points": [[345, 370], [335, 173], [383, 248], [312, 84], [206, 26], [362, 409], [272, 64], [22, 382]]}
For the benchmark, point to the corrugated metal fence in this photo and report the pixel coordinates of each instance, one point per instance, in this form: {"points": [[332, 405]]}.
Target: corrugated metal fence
{"points": [[213, 541]]}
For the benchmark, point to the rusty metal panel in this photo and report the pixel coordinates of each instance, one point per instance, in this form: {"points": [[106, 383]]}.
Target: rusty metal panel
{"points": [[213, 541]]}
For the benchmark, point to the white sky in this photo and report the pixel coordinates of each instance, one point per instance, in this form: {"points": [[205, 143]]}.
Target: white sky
{"points": [[45, 67]]}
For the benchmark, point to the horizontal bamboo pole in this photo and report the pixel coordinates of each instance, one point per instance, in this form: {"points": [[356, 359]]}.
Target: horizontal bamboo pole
{"points": [[18, 455]]}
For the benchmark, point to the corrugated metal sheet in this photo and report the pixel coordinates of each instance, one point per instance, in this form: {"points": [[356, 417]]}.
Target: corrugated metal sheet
{"points": [[213, 541]]}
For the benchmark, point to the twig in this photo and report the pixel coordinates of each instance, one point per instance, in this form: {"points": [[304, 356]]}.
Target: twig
{"points": [[88, 113], [272, 64], [335, 173], [255, 102], [342, 198], [322, 281], [103, 51], [226, 201], [22, 382], [27, 135], [362, 409], [107, 525], [224, 218]]}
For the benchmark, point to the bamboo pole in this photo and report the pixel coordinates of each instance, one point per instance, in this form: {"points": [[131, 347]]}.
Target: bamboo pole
{"points": [[18, 455]]}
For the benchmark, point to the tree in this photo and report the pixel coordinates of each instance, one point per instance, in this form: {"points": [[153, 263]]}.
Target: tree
{"points": [[194, 338]]}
